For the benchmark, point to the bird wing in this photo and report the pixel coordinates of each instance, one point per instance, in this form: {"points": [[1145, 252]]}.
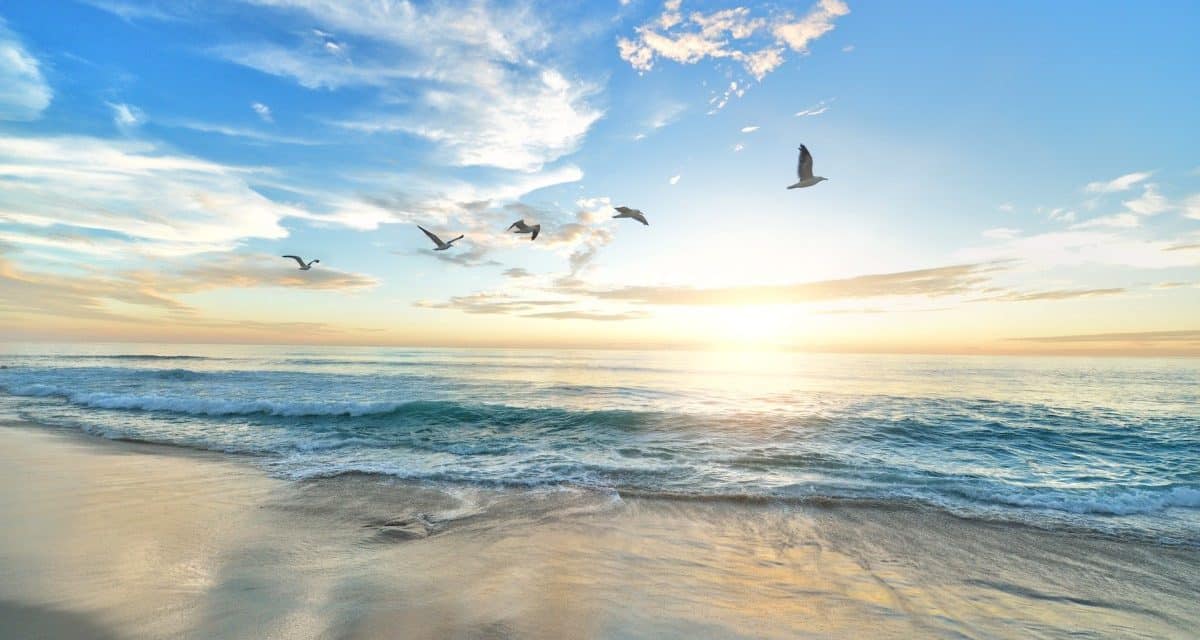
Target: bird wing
{"points": [[624, 210], [537, 228], [637, 215], [460, 237], [519, 224], [436, 240], [296, 258], [804, 169]]}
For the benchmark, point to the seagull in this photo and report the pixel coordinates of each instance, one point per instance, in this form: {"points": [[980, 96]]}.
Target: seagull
{"points": [[304, 266], [521, 227], [636, 214], [441, 246], [804, 171]]}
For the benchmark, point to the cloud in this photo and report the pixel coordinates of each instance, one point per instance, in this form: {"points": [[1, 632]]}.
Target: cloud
{"points": [[1122, 183], [815, 110], [126, 116], [1151, 202], [1140, 337], [799, 33], [1191, 207], [25, 94], [516, 272], [263, 111], [90, 295], [757, 43], [1001, 233], [738, 147], [1078, 247], [498, 303], [848, 48], [675, 179], [239, 132], [1006, 207], [1115, 221], [589, 315], [750, 129], [132, 195], [475, 80], [940, 281], [1059, 294]]}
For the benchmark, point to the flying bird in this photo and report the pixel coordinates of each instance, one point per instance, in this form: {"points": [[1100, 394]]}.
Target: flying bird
{"points": [[636, 214], [304, 266], [804, 170], [521, 227], [441, 246]]}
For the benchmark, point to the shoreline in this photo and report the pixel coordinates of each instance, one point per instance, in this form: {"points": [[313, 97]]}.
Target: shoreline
{"points": [[142, 540]]}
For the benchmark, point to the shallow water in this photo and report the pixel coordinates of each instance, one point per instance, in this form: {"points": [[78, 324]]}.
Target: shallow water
{"points": [[1107, 446]]}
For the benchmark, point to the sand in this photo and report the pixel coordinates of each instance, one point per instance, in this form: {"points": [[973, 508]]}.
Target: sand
{"points": [[107, 539]]}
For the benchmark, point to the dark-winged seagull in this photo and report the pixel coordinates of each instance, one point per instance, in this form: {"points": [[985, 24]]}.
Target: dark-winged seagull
{"points": [[441, 246], [804, 170], [521, 227], [304, 266], [636, 214]]}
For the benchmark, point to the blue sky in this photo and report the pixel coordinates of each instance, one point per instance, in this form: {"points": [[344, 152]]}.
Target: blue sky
{"points": [[1004, 177]]}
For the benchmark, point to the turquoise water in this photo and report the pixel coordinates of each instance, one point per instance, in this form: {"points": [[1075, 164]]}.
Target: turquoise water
{"points": [[1110, 446]]}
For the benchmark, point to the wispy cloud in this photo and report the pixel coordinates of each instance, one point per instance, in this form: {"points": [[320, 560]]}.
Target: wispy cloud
{"points": [[758, 43], [475, 81], [675, 179], [263, 111], [126, 116], [749, 129], [1141, 337], [1001, 233], [815, 110], [1122, 183], [25, 93], [939, 281], [132, 195], [241, 132]]}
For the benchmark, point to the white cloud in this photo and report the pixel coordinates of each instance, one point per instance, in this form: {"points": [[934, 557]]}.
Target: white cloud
{"points": [[1001, 233], [738, 147], [263, 111], [24, 93], [1191, 207], [1006, 207], [848, 48], [126, 116], [817, 109], [1122, 183], [1151, 202], [751, 129], [481, 93], [755, 42], [1115, 221], [1079, 247], [798, 34], [132, 195], [675, 179]]}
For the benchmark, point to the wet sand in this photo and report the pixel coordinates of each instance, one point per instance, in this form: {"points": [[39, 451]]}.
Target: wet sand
{"points": [[106, 539]]}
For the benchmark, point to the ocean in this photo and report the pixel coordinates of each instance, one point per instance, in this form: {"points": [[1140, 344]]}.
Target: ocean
{"points": [[1107, 447]]}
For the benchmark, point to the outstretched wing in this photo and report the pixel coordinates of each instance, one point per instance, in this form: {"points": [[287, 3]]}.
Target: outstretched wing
{"points": [[624, 210], [804, 169], [519, 224], [455, 240], [637, 215], [296, 258], [429, 234], [537, 228]]}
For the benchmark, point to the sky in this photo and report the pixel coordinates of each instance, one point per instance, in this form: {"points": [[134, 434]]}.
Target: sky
{"points": [[1016, 177]]}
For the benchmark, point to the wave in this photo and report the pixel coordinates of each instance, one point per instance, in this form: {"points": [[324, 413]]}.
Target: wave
{"points": [[1126, 502]]}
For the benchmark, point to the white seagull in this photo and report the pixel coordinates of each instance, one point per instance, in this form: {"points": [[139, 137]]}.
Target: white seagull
{"points": [[804, 170], [636, 214], [521, 227], [304, 266], [441, 246]]}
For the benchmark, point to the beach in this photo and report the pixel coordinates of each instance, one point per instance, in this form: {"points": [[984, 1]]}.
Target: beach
{"points": [[111, 539]]}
